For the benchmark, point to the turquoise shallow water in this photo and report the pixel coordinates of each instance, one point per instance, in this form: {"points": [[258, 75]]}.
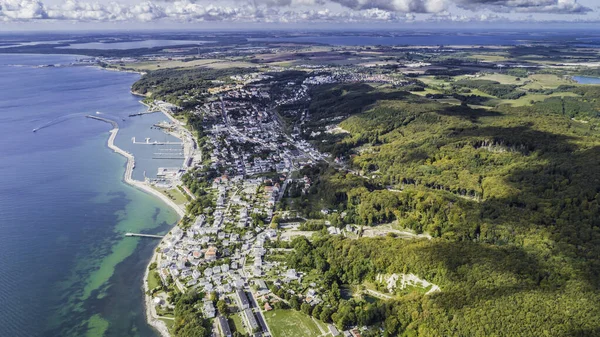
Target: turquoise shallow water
{"points": [[65, 267]]}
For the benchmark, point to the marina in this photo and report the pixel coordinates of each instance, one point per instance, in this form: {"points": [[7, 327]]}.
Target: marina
{"points": [[149, 142]]}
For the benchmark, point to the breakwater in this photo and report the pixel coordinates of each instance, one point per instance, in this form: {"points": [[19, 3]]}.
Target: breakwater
{"points": [[131, 165]]}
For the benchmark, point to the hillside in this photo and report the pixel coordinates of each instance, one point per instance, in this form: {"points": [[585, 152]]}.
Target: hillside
{"points": [[510, 195]]}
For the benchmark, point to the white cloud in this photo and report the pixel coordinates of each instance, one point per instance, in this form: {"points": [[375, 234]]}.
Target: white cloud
{"points": [[189, 11], [21, 10], [279, 10], [527, 6]]}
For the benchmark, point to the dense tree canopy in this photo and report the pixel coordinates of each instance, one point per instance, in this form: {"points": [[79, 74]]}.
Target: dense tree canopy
{"points": [[510, 195]]}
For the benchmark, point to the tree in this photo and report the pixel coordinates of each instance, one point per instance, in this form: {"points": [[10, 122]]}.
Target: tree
{"points": [[222, 307], [335, 291], [326, 314], [294, 303], [306, 308], [316, 312]]}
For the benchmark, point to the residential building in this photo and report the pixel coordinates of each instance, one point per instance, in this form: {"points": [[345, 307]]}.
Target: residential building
{"points": [[224, 326], [242, 299]]}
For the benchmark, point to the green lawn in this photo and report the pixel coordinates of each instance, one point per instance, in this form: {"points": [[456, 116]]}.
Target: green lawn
{"points": [[175, 195], [291, 323], [153, 280], [235, 321], [169, 323]]}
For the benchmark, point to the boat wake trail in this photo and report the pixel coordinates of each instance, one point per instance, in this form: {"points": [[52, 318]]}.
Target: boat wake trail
{"points": [[71, 116], [58, 120]]}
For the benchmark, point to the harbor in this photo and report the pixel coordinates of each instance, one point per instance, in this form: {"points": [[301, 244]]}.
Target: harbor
{"points": [[148, 142], [130, 166]]}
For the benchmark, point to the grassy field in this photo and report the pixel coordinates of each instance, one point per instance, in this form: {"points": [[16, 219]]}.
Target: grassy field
{"points": [[209, 63], [235, 321], [430, 80], [169, 322], [291, 323], [489, 57], [426, 91], [545, 81], [174, 194], [526, 100], [501, 78], [153, 280]]}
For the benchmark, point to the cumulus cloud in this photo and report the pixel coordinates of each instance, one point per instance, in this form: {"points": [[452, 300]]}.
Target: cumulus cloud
{"points": [[439, 6], [446, 16], [182, 11], [275, 10], [21, 10], [190, 11], [530, 6], [325, 15], [405, 6]]}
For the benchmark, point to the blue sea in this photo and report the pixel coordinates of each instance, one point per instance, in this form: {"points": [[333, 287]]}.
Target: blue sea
{"points": [[133, 44], [66, 268], [587, 80], [436, 38]]}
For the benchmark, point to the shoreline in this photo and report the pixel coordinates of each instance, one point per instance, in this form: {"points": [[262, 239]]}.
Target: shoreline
{"points": [[127, 178], [151, 316]]}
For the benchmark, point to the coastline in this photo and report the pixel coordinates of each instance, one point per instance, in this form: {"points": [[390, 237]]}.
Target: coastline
{"points": [[127, 178], [151, 316]]}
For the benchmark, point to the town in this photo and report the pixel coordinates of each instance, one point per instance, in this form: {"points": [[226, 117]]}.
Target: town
{"points": [[294, 163], [224, 251]]}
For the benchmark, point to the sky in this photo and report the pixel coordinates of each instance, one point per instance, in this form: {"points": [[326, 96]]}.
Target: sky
{"points": [[173, 14]]}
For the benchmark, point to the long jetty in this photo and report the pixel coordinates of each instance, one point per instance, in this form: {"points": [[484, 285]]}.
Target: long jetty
{"points": [[145, 235], [113, 123]]}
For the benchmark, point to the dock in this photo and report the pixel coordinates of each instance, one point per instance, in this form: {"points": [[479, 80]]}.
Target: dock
{"points": [[148, 142], [144, 235]]}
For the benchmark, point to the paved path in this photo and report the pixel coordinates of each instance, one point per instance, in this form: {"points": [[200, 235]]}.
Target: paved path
{"points": [[378, 294]]}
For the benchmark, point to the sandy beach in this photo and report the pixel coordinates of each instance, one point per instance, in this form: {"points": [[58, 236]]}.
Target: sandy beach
{"points": [[139, 184], [151, 315]]}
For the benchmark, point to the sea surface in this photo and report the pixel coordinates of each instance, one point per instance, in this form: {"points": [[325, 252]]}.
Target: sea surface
{"points": [[132, 44], [436, 38], [66, 268], [587, 80]]}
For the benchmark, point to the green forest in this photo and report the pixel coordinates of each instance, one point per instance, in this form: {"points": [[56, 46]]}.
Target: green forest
{"points": [[509, 194], [487, 290], [182, 86]]}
